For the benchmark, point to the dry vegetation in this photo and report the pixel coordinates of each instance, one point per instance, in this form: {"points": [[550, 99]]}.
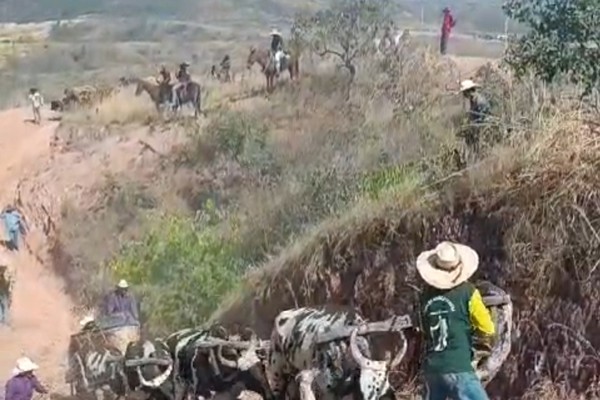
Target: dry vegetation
{"points": [[320, 200], [348, 194]]}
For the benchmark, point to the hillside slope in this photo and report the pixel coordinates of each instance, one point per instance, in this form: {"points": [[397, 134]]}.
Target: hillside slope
{"points": [[532, 214], [41, 318]]}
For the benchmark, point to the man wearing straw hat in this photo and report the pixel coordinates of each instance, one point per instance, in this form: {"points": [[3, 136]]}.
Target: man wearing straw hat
{"points": [[23, 383], [479, 110], [451, 310], [121, 302], [479, 107]]}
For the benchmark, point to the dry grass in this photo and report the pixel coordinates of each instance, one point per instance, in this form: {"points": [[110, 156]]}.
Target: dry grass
{"points": [[123, 107], [530, 208]]}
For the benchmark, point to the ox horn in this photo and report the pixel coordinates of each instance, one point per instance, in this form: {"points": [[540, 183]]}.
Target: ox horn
{"points": [[223, 360], [362, 361], [401, 353]]}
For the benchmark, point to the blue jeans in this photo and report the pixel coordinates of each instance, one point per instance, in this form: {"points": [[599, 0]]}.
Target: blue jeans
{"points": [[3, 309], [13, 236], [459, 386]]}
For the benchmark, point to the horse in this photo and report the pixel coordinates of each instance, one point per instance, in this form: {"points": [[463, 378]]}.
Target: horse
{"points": [[159, 94], [192, 94], [220, 74], [267, 62]]}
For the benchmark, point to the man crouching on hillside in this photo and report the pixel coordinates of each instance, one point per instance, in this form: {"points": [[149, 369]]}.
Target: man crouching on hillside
{"points": [[451, 309]]}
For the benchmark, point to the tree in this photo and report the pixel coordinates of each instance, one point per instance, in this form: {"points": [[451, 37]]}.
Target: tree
{"points": [[563, 40], [346, 31]]}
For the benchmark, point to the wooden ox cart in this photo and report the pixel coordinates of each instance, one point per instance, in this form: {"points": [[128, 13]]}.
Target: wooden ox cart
{"points": [[95, 356]]}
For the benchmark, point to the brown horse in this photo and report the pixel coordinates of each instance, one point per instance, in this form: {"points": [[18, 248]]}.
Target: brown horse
{"points": [[158, 94], [264, 58]]}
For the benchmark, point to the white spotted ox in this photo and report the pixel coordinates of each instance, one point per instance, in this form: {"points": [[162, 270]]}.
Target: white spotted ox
{"points": [[211, 360], [98, 370], [305, 346], [148, 367]]}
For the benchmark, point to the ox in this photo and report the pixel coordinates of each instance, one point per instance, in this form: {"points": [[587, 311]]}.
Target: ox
{"points": [[97, 370], [336, 367], [149, 369], [198, 365], [146, 366]]}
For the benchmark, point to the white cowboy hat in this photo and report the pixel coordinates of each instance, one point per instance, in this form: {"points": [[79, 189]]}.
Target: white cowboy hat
{"points": [[24, 364], [448, 265], [467, 84], [123, 284], [86, 320], [274, 31]]}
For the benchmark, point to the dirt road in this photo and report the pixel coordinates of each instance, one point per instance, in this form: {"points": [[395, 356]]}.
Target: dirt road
{"points": [[41, 319]]}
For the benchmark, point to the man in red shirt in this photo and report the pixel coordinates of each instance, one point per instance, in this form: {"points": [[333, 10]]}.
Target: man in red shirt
{"points": [[447, 26]]}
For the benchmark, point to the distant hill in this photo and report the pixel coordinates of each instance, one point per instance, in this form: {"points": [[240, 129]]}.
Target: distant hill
{"points": [[36, 10], [472, 15]]}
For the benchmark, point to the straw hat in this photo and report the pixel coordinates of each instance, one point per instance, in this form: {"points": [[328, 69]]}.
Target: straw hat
{"points": [[123, 284], [467, 84], [86, 320], [448, 265], [274, 31], [24, 364]]}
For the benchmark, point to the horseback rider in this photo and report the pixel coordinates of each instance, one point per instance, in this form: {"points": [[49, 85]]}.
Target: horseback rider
{"points": [[183, 78], [277, 49], [226, 63], [164, 76], [121, 303], [225, 66]]}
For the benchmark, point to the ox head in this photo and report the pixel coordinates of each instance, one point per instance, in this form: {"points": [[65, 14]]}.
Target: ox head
{"points": [[374, 374], [251, 367], [155, 363]]}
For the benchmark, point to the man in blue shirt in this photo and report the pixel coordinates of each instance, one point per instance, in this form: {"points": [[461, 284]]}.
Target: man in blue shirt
{"points": [[14, 225]]}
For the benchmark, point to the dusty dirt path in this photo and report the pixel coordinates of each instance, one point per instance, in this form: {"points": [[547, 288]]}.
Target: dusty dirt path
{"points": [[41, 319]]}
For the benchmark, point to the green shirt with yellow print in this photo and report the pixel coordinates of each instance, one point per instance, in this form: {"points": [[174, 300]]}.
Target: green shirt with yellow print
{"points": [[449, 319]]}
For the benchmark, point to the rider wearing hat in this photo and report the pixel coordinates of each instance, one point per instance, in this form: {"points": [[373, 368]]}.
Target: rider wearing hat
{"points": [[121, 302], [451, 309], [277, 48], [164, 75], [23, 383], [183, 78]]}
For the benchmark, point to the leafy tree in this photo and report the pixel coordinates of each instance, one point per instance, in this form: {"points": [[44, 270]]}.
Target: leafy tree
{"points": [[563, 40], [181, 271], [346, 31]]}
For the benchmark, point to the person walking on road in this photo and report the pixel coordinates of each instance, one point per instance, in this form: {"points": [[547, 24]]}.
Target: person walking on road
{"points": [[451, 308], [37, 101], [5, 292], [23, 383], [15, 226]]}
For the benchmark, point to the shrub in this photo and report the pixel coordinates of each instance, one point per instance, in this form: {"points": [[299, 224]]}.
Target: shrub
{"points": [[562, 40], [181, 271]]}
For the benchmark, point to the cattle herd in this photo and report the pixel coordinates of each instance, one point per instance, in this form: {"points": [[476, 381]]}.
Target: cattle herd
{"points": [[312, 353]]}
